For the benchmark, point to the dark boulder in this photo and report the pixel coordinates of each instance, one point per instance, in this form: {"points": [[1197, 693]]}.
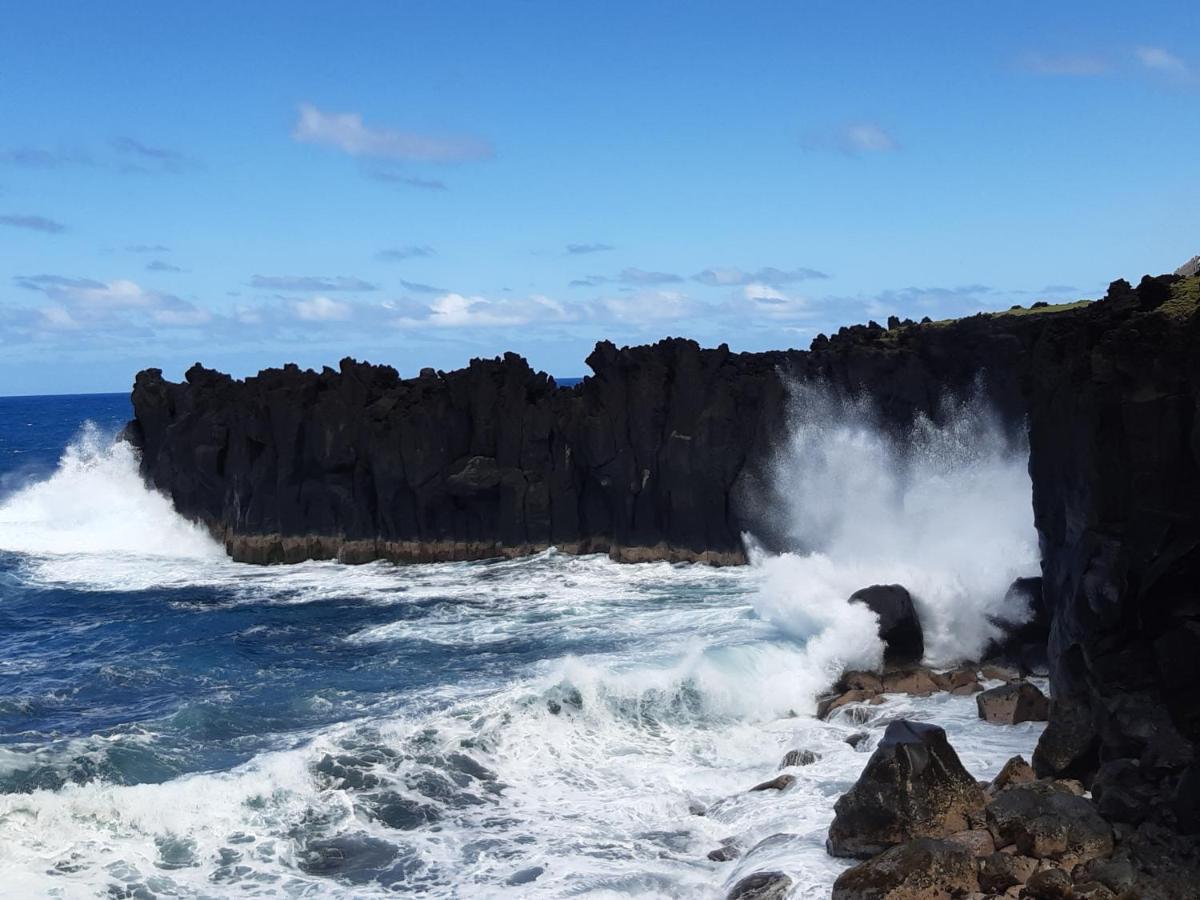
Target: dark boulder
{"points": [[899, 626], [761, 886], [1048, 884], [798, 758], [1001, 871], [1015, 771], [913, 786], [923, 869], [1011, 704], [1046, 821], [778, 783]]}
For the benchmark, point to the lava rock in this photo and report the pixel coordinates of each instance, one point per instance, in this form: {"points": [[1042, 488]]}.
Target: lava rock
{"points": [[918, 681], [899, 626], [924, 869], [1001, 871], [761, 886], [1046, 821], [778, 783], [828, 704], [1048, 884], [1015, 771], [913, 786], [1011, 704], [978, 840], [798, 758]]}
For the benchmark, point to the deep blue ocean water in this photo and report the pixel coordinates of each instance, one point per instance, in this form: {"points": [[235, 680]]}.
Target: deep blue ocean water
{"points": [[175, 724]]}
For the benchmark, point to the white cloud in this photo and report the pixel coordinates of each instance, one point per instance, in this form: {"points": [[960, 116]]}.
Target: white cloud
{"points": [[866, 137], [1160, 60], [769, 302], [648, 308], [322, 309], [459, 311], [100, 305], [347, 132]]}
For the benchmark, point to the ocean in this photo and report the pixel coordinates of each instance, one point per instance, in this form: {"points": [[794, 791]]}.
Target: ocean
{"points": [[174, 724]]}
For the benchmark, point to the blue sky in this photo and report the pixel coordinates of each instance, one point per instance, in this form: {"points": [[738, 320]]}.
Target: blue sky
{"points": [[418, 183]]}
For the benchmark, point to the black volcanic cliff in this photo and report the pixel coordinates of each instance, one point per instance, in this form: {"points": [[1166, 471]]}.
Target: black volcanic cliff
{"points": [[658, 454], [653, 457]]}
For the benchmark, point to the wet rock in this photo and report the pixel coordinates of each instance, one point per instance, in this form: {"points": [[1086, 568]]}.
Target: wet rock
{"points": [[994, 672], [856, 740], [1048, 884], [860, 681], [963, 676], [798, 758], [347, 772], [899, 626], [924, 869], [965, 690], [1047, 822], [918, 682], [913, 786], [830, 703], [977, 840], [1015, 771], [1001, 871], [1011, 704], [401, 813], [355, 857], [761, 886], [697, 809], [525, 876], [724, 854], [778, 783]]}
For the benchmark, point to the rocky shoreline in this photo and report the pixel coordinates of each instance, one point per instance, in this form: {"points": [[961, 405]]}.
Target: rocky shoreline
{"points": [[664, 452]]}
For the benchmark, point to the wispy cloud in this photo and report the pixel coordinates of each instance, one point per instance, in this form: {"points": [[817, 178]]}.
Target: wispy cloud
{"points": [[136, 156], [159, 266], [147, 248], [866, 137], [1158, 59], [33, 223], [631, 276], [1064, 65], [347, 132], [582, 249], [732, 276], [418, 288], [310, 283], [390, 176], [399, 254], [853, 139], [42, 158]]}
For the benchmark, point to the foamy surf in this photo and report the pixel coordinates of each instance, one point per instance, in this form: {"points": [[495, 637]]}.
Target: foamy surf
{"points": [[552, 726]]}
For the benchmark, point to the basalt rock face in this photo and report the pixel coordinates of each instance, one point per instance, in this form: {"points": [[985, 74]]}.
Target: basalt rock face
{"points": [[661, 454], [1114, 437]]}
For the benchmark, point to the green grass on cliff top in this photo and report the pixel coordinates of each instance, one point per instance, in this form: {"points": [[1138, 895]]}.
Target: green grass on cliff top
{"points": [[1041, 310], [1185, 298]]}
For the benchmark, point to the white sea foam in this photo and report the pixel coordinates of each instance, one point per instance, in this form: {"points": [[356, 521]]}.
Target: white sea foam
{"points": [[946, 512], [676, 686], [96, 504]]}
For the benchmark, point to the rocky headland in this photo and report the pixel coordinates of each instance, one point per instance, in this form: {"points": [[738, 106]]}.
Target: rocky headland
{"points": [[664, 452]]}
